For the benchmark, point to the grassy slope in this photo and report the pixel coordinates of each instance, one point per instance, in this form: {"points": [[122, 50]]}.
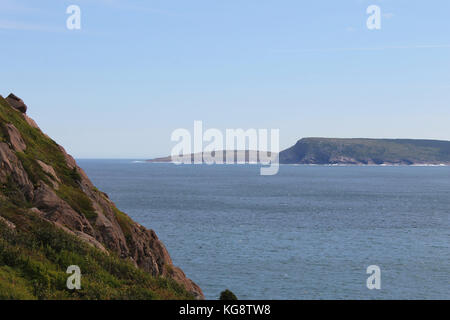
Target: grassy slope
{"points": [[34, 260], [34, 257]]}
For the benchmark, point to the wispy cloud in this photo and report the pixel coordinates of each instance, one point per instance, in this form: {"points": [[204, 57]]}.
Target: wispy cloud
{"points": [[22, 26], [432, 46], [127, 5], [13, 6]]}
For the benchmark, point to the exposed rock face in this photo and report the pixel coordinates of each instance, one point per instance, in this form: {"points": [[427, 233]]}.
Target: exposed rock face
{"points": [[51, 173], [15, 138], [17, 103], [57, 210], [8, 223], [11, 168], [106, 228]]}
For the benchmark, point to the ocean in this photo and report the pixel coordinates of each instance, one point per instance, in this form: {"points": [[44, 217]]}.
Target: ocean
{"points": [[309, 232]]}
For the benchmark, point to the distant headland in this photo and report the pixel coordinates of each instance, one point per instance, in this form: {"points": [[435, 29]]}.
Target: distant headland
{"points": [[355, 151]]}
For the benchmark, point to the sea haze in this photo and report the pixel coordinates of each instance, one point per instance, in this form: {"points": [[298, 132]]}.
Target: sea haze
{"points": [[309, 232]]}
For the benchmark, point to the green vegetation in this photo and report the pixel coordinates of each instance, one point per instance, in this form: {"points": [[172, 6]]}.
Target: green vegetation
{"points": [[34, 258], [39, 147], [364, 151], [3, 131], [33, 169], [124, 223], [77, 200], [227, 295], [13, 193]]}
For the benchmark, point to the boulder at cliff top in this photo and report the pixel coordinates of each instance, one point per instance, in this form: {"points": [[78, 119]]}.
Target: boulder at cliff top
{"points": [[16, 103]]}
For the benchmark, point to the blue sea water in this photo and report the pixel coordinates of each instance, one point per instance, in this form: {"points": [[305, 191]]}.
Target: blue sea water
{"points": [[309, 232]]}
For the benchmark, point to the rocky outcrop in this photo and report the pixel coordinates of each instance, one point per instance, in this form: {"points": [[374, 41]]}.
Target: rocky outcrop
{"points": [[8, 223], [62, 194], [12, 171], [57, 210], [15, 138], [150, 254], [51, 173], [17, 103]]}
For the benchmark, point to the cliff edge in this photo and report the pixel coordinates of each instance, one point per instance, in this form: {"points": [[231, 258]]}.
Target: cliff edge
{"points": [[43, 192]]}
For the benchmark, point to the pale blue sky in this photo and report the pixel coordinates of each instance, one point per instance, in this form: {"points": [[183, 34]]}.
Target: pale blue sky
{"points": [[137, 70]]}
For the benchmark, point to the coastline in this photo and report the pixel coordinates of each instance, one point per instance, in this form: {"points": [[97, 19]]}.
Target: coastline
{"points": [[309, 164]]}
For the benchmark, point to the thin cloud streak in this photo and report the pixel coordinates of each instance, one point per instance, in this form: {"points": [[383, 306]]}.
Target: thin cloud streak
{"points": [[21, 26], [121, 5], [437, 46], [11, 6]]}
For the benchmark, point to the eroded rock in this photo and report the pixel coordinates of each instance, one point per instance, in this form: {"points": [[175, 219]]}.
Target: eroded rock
{"points": [[30, 121], [57, 210], [8, 223], [17, 103], [15, 138], [51, 172], [12, 171]]}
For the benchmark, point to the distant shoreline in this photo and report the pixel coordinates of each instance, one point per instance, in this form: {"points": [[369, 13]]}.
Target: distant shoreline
{"points": [[307, 164], [337, 152]]}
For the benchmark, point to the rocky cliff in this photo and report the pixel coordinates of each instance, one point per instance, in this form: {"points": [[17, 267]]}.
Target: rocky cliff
{"points": [[367, 151], [39, 180]]}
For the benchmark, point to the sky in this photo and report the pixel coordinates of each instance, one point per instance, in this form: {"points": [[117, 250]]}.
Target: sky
{"points": [[138, 70]]}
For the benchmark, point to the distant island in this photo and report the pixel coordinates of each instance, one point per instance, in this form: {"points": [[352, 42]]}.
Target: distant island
{"points": [[358, 151], [250, 156], [367, 152]]}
